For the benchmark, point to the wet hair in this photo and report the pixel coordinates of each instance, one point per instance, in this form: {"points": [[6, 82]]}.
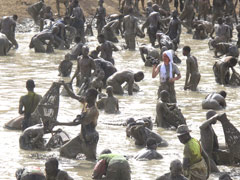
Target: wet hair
{"points": [[176, 165], [138, 76], [92, 92], [151, 141], [77, 39], [210, 114], [109, 89], [155, 7], [30, 85], [53, 161], [223, 93], [220, 20], [164, 93], [187, 48], [15, 16], [106, 151], [233, 61]]}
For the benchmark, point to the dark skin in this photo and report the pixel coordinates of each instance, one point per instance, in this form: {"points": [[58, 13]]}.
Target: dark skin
{"points": [[186, 162], [85, 65]]}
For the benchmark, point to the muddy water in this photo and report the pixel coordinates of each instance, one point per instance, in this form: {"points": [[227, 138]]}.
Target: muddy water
{"points": [[23, 64]]}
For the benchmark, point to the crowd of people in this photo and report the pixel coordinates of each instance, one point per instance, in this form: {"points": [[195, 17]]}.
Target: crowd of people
{"points": [[96, 71]]}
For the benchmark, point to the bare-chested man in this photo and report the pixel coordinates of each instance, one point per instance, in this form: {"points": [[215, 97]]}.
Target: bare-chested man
{"points": [[76, 49], [215, 101], [85, 65], [5, 45], [110, 103], [222, 32], [106, 48], [86, 141], [100, 15], [130, 28], [34, 10], [188, 15], [152, 55], [200, 32], [167, 114], [218, 9], [221, 69], [153, 24], [209, 139], [174, 29], [8, 26], [118, 78], [192, 72]]}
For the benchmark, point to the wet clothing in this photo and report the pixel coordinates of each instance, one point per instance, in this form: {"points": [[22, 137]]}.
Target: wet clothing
{"points": [[29, 102], [168, 86], [118, 167], [198, 168]]}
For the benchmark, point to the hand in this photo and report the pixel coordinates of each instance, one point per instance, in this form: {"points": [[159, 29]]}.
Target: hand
{"points": [[171, 80]]}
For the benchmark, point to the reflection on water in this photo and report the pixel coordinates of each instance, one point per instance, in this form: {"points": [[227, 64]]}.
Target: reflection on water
{"points": [[24, 64]]}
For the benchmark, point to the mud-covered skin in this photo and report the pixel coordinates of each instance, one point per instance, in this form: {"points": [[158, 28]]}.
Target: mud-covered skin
{"points": [[5, 45]]}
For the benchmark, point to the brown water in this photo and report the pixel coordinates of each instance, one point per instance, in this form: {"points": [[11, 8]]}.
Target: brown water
{"points": [[24, 64]]}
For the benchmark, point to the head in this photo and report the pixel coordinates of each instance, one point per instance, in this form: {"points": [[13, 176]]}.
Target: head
{"points": [[109, 90], [166, 57], [176, 167], [77, 39], [186, 50], [164, 96], [106, 151], [91, 96], [232, 62], [101, 38], [155, 7], [75, 3], [220, 20], [130, 121], [183, 133], [100, 2], [223, 94], [138, 76], [30, 85], [238, 28], [151, 143], [149, 3], [210, 114], [15, 17], [48, 9], [55, 30], [94, 54], [143, 48], [85, 50], [51, 166], [175, 14]]}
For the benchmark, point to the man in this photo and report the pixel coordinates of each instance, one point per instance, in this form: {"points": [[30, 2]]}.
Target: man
{"points": [[76, 49], [221, 69], [5, 45], [130, 29], [174, 29], [176, 172], [100, 15], [85, 65], [30, 174], [109, 103], [32, 138], [167, 72], [209, 139], [195, 159], [106, 48], [222, 32], [168, 114], [118, 78], [215, 101], [115, 167], [8, 26], [150, 152], [150, 53], [28, 103], [44, 37], [52, 171], [192, 74], [86, 141], [78, 20], [153, 24], [188, 15]]}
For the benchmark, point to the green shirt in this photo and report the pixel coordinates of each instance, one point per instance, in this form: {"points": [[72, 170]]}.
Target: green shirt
{"points": [[192, 151], [109, 157]]}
